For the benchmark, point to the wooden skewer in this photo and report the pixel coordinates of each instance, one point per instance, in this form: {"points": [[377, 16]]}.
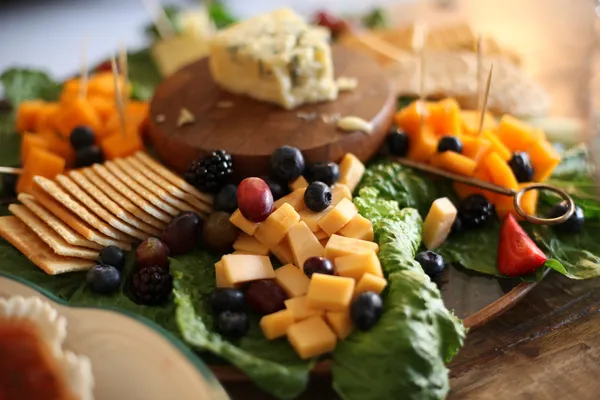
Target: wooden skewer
{"points": [[118, 95], [418, 45], [479, 68], [11, 170], [83, 81], [485, 100], [161, 21], [123, 67]]}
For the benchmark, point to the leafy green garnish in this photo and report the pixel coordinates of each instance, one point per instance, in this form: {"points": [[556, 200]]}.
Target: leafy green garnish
{"points": [[27, 84], [220, 15], [144, 75], [376, 19]]}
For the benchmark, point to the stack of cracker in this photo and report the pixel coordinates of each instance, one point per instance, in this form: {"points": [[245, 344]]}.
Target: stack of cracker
{"points": [[62, 224]]}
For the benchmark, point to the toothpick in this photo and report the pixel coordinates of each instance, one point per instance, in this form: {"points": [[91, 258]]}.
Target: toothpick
{"points": [[485, 100], [118, 96], [83, 79], [479, 68], [161, 21], [418, 45], [11, 170], [123, 67]]}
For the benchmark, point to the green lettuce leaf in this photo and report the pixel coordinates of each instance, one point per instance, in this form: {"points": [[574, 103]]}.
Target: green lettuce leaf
{"points": [[144, 74], [28, 84], [220, 15], [376, 19]]}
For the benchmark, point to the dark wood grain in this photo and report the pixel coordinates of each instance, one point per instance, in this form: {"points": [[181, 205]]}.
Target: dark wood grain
{"points": [[250, 130]]}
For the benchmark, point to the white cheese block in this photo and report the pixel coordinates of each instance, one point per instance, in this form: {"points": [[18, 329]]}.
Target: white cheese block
{"points": [[275, 57], [171, 54], [438, 223]]}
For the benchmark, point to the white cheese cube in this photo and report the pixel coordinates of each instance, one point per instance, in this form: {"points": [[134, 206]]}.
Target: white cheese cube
{"points": [[438, 223]]}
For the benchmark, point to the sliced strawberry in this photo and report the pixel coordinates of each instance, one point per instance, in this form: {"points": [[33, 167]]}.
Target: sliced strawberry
{"points": [[518, 255]]}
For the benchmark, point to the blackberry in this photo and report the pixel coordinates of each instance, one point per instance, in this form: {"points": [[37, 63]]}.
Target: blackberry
{"points": [[210, 173], [151, 285], [474, 211]]}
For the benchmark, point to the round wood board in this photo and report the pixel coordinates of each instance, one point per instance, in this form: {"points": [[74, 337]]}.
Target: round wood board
{"points": [[250, 129]]}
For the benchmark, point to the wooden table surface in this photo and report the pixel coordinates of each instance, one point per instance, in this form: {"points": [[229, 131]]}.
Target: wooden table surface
{"points": [[548, 346]]}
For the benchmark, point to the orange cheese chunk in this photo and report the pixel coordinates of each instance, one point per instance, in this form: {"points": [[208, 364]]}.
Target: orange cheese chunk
{"points": [[311, 218], [544, 159], [470, 121], [31, 140], [283, 252], [358, 228], [39, 162], [241, 268], [299, 308], [248, 244], [311, 337], [351, 171], [243, 224], [454, 162], [277, 324], [273, 229], [444, 117], [497, 145], [304, 244], [409, 118], [475, 148], [299, 183], [294, 199], [339, 246], [340, 191], [27, 114], [46, 118], [340, 323], [515, 134], [438, 223], [330, 293], [356, 265], [370, 283], [423, 146], [222, 281], [500, 172], [338, 216], [292, 280], [120, 145], [77, 112]]}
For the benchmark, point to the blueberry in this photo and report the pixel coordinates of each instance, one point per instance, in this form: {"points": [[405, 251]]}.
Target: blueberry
{"points": [[88, 156], [474, 211], [113, 256], [225, 299], [278, 190], [366, 310], [328, 173], [9, 184], [317, 196], [398, 143], [226, 199], [232, 324], [450, 143], [521, 167], [432, 263], [317, 265], [82, 137], [572, 225], [457, 226], [287, 164], [103, 279]]}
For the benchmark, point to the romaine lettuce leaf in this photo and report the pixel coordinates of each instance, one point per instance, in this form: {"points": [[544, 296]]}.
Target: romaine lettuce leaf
{"points": [[28, 84]]}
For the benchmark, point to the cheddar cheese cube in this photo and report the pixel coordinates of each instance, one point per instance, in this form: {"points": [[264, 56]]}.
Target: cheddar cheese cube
{"points": [[312, 218], [299, 183], [356, 265], [299, 308], [438, 223], [292, 280], [273, 229], [339, 246], [351, 171], [249, 245], [311, 337], [370, 283], [330, 293], [294, 199], [277, 324], [358, 228], [222, 281], [239, 268], [340, 323], [304, 244], [242, 223], [340, 191], [283, 252], [339, 216]]}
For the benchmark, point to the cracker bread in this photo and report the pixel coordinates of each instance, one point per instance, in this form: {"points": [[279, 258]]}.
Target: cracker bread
{"points": [[173, 178], [65, 231], [49, 236], [110, 205], [27, 242], [202, 207], [91, 176], [62, 197], [97, 209], [368, 43], [111, 179]]}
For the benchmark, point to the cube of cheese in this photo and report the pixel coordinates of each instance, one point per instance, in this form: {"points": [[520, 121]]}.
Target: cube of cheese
{"points": [[294, 199], [358, 228], [356, 265], [339, 246], [304, 244], [283, 252], [370, 283], [351, 171], [299, 183], [222, 281], [311, 337], [300, 309], [275, 57], [172, 53], [321, 235], [273, 229], [438, 223], [249, 245], [292, 280], [339, 216], [242, 223], [277, 324], [312, 218], [340, 191], [239, 268], [339, 322], [330, 293]]}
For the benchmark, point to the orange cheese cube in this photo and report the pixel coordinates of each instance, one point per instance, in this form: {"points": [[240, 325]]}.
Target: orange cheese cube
{"points": [[299, 183], [311, 337], [304, 244], [338, 216], [104, 107], [358, 228], [46, 118], [27, 114], [351, 171], [497, 145], [370, 283], [544, 159], [221, 279], [103, 84], [500, 172], [340, 191], [454, 162], [330, 293], [243, 224], [529, 200], [444, 117], [299, 308], [356, 265], [77, 112], [515, 134], [339, 246], [273, 229], [241, 268], [277, 324], [283, 252], [119, 145], [311, 218], [423, 146], [475, 148], [505, 204], [59, 145], [30, 140], [39, 162], [340, 323], [438, 223], [470, 122], [249, 245], [292, 280], [409, 118], [294, 199]]}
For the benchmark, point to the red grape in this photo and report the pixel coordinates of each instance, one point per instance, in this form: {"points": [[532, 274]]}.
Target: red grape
{"points": [[265, 296], [255, 199], [152, 252], [182, 233], [317, 265]]}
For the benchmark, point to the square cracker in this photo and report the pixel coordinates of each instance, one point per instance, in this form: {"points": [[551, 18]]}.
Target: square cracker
{"points": [[97, 209], [50, 237], [171, 177], [62, 197], [66, 216], [111, 179], [110, 205], [94, 179], [65, 231], [14, 231]]}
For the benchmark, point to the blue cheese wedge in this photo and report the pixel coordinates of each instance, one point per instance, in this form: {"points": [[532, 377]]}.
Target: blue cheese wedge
{"points": [[275, 57]]}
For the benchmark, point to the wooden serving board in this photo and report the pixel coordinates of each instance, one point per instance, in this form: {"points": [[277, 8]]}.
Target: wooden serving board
{"points": [[250, 130]]}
